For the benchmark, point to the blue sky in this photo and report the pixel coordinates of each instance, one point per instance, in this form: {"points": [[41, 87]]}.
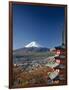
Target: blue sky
{"points": [[36, 23]]}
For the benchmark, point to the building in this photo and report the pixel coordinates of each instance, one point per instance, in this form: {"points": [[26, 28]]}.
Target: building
{"points": [[61, 58]]}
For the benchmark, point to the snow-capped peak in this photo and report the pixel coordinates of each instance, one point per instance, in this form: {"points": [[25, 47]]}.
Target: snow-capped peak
{"points": [[32, 44]]}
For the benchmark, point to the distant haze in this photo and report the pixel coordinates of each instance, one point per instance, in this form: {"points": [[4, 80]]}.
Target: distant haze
{"points": [[36, 23]]}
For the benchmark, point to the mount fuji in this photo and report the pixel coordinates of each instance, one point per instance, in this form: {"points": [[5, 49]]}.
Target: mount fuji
{"points": [[29, 48], [32, 44]]}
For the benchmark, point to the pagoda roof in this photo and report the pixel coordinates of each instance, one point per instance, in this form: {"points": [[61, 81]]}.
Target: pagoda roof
{"points": [[61, 66], [60, 47], [60, 57]]}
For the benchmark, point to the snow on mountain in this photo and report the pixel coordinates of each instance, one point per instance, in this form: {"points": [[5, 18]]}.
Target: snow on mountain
{"points": [[32, 44]]}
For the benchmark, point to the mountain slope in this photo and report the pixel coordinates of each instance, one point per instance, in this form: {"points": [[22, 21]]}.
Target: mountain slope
{"points": [[29, 50]]}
